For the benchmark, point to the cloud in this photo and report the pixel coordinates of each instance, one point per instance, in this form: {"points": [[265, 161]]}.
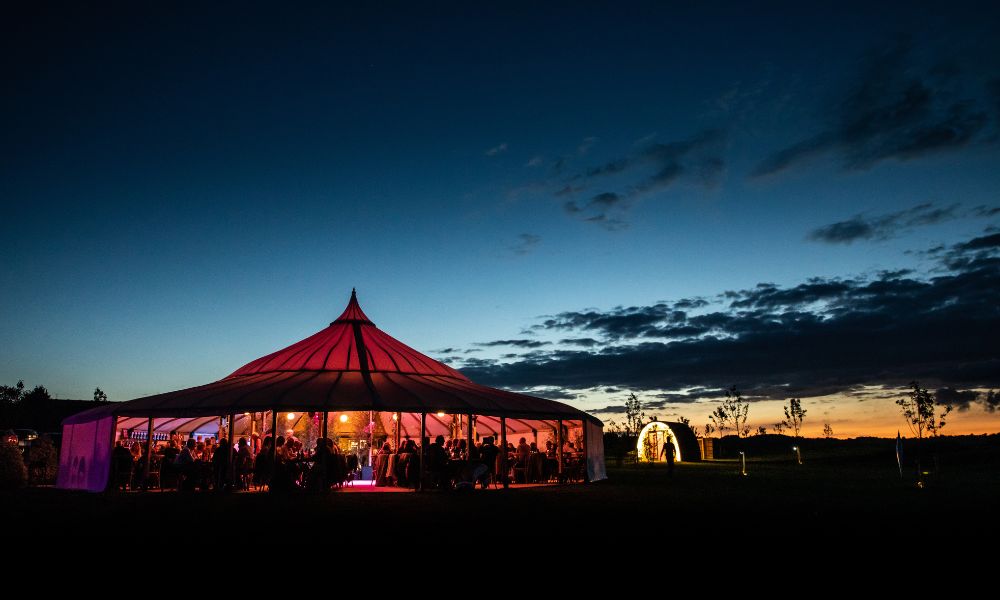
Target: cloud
{"points": [[585, 342], [526, 243], [497, 149], [586, 145], [649, 169], [979, 252], [820, 337], [893, 110], [882, 227], [516, 343], [568, 190], [960, 399], [535, 161]]}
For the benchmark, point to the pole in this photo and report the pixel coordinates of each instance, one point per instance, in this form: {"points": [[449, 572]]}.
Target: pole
{"points": [[326, 421], [469, 441], [274, 437], [232, 435], [503, 452], [423, 449], [399, 425], [586, 457], [149, 455], [559, 445]]}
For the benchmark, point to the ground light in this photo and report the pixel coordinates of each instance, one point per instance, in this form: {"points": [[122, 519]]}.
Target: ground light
{"points": [[798, 453], [743, 464]]}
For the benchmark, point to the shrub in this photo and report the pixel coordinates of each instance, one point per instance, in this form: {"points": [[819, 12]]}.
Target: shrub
{"points": [[43, 461], [13, 473]]}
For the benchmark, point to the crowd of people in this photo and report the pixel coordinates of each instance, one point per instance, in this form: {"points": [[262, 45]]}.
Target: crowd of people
{"points": [[274, 463], [456, 463], [284, 464]]}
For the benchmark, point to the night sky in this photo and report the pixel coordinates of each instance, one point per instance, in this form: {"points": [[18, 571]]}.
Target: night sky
{"points": [[572, 200]]}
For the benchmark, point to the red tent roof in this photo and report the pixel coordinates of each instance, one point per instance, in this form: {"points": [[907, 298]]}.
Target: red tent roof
{"points": [[350, 365], [352, 343]]}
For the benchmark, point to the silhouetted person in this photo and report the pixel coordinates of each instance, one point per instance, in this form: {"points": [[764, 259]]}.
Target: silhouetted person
{"points": [[437, 461], [122, 465], [488, 454], [220, 465], [668, 452], [186, 466]]}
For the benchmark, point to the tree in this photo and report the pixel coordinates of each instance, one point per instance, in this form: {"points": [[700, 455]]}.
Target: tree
{"points": [[36, 395], [634, 416], [99, 395], [920, 411], [762, 430], [794, 415], [709, 430], [779, 428], [686, 421], [11, 394], [827, 431], [732, 414]]}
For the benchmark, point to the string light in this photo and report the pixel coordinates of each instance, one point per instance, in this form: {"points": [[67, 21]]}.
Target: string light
{"points": [[291, 416], [343, 418]]}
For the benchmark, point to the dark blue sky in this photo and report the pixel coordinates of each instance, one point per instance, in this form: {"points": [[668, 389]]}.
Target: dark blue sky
{"points": [[185, 191]]}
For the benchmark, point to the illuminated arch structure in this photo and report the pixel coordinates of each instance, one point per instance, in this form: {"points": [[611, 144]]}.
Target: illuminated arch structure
{"points": [[655, 433], [350, 367]]}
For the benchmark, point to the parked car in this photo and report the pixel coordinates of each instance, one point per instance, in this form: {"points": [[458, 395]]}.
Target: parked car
{"points": [[25, 437], [9, 437]]}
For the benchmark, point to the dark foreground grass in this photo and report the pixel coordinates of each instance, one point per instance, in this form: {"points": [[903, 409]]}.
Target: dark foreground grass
{"points": [[837, 494]]}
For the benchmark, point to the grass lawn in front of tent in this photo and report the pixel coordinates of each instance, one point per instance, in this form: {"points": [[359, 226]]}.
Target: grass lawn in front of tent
{"points": [[846, 489]]}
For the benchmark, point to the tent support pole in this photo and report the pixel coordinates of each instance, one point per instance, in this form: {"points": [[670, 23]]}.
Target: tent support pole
{"points": [[559, 452], [149, 455], [468, 441], [326, 422], [371, 443], [399, 425], [586, 456], [423, 449], [503, 452], [274, 438], [232, 441]]}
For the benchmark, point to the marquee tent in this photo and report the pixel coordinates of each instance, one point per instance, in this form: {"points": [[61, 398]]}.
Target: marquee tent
{"points": [[349, 366]]}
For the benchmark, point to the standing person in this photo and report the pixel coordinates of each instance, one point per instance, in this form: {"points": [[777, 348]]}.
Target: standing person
{"points": [[220, 465], [488, 454], [668, 451]]}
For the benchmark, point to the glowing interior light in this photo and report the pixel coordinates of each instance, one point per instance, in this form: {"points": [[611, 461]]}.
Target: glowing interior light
{"points": [[395, 416], [441, 414], [343, 418], [291, 416]]}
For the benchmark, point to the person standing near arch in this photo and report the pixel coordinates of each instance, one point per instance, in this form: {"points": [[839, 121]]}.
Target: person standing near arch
{"points": [[668, 452]]}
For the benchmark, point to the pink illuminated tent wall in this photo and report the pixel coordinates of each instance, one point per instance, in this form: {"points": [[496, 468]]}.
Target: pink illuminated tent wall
{"points": [[349, 366]]}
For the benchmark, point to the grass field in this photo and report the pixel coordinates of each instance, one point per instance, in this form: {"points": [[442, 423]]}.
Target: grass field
{"points": [[841, 490]]}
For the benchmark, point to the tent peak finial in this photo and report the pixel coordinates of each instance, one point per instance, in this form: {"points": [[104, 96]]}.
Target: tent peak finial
{"points": [[353, 312]]}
